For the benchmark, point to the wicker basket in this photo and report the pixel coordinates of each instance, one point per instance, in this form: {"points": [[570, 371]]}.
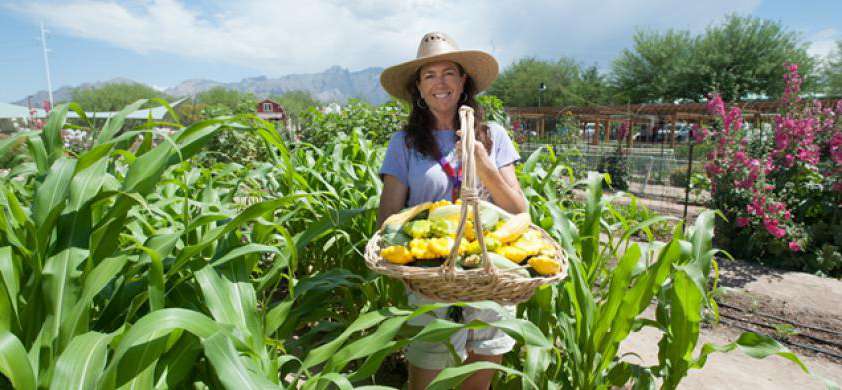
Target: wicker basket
{"points": [[449, 284]]}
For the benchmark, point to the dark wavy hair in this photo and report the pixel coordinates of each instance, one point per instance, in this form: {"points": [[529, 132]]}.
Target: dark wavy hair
{"points": [[419, 128]]}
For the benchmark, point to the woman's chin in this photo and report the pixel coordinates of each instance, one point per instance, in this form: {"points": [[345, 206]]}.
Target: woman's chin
{"points": [[445, 106]]}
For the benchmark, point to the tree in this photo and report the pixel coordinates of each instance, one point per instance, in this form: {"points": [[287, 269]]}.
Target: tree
{"points": [[832, 78], [224, 101], [593, 87], [656, 69], [740, 57], [746, 55], [296, 102], [518, 85], [113, 97]]}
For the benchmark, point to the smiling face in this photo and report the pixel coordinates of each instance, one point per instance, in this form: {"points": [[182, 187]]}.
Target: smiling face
{"points": [[441, 85]]}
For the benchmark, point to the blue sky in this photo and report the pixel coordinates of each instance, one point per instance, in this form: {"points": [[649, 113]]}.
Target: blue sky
{"points": [[163, 42]]}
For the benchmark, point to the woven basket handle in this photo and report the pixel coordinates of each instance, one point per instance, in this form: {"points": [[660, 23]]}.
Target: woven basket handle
{"points": [[470, 197]]}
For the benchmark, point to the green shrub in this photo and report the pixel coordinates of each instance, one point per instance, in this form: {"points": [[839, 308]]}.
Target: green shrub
{"points": [[616, 166]]}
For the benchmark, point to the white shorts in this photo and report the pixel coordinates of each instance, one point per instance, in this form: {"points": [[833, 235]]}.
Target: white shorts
{"points": [[436, 356]]}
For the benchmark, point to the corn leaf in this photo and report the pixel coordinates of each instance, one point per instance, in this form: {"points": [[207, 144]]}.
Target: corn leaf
{"points": [[82, 362], [14, 363], [229, 365], [451, 377]]}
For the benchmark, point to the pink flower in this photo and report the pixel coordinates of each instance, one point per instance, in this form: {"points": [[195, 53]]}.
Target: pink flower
{"points": [[742, 221], [716, 105], [745, 184], [699, 134], [772, 227], [793, 246]]}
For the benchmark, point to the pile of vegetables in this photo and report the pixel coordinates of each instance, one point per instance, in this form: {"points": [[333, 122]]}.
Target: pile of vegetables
{"points": [[424, 236]]}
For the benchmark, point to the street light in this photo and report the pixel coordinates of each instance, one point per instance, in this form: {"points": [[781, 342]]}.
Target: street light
{"points": [[541, 89]]}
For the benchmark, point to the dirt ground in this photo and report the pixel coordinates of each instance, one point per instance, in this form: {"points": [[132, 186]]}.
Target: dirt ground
{"points": [[735, 370]]}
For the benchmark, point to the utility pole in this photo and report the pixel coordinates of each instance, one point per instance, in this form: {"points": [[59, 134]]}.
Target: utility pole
{"points": [[47, 63]]}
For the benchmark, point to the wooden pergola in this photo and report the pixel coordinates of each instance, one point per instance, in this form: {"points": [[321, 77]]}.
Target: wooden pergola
{"points": [[636, 114]]}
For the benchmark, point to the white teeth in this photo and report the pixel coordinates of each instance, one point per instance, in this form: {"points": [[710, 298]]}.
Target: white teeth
{"points": [[441, 95]]}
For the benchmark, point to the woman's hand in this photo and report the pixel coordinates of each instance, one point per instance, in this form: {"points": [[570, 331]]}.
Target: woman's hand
{"points": [[483, 162], [501, 183]]}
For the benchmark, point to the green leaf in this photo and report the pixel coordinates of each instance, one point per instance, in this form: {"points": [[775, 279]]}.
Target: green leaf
{"points": [[277, 316], [14, 363], [752, 344], [86, 184], [38, 153], [248, 214], [50, 197], [143, 340], [451, 377], [233, 304], [178, 364], [82, 362], [60, 286], [524, 331], [115, 122], [324, 352], [243, 251], [10, 284], [51, 133], [367, 345], [229, 366], [95, 280]]}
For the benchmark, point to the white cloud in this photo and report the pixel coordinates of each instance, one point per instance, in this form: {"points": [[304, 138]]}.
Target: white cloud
{"points": [[823, 42], [292, 36]]}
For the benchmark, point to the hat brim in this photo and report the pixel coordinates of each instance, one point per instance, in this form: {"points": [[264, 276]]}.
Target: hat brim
{"points": [[481, 66]]}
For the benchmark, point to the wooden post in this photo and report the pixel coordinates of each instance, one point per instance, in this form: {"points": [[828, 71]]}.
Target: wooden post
{"points": [[543, 124], [607, 131], [672, 131], [629, 135], [596, 132]]}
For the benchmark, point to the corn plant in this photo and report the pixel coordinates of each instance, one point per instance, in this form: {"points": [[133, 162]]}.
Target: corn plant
{"points": [[597, 307]]}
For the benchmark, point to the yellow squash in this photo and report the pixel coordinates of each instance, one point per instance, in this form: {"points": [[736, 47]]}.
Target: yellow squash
{"points": [[396, 254], [544, 265], [512, 253], [420, 249], [513, 228]]}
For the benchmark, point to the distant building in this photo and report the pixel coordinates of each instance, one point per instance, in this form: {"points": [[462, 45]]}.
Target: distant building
{"points": [[270, 110]]}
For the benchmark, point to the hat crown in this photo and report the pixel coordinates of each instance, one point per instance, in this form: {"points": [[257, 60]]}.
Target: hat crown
{"points": [[436, 43]]}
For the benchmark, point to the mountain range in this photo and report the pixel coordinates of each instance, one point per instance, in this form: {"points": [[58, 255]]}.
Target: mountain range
{"points": [[336, 84]]}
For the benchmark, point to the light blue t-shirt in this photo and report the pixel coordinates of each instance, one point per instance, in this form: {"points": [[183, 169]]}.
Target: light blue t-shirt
{"points": [[424, 176]]}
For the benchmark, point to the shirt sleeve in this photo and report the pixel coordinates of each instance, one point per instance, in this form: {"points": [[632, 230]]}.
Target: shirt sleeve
{"points": [[504, 148], [396, 163]]}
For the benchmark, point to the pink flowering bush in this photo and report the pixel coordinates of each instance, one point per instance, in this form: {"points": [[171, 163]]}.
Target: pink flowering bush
{"points": [[781, 192]]}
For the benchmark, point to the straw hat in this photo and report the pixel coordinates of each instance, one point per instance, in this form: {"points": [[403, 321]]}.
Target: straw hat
{"points": [[434, 47]]}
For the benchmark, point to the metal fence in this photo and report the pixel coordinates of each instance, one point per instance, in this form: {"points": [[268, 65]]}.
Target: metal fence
{"points": [[652, 172]]}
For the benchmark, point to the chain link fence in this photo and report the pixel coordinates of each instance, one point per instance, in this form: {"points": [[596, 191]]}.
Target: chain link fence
{"points": [[652, 172]]}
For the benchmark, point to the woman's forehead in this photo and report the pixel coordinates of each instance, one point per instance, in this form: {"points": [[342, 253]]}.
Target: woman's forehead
{"points": [[439, 66]]}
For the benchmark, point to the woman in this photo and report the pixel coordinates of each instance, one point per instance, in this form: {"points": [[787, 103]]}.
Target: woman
{"points": [[420, 166]]}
